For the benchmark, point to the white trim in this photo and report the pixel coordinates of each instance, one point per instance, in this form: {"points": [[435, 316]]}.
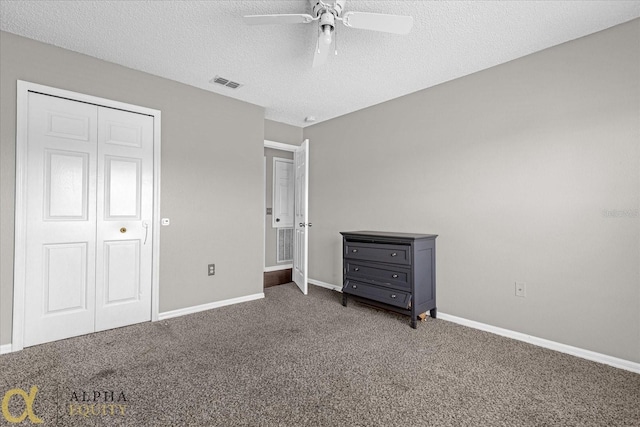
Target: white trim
{"points": [[156, 221], [23, 89], [324, 285], [541, 342], [198, 308], [280, 145], [6, 348], [76, 96], [627, 365], [264, 211], [20, 237], [277, 267]]}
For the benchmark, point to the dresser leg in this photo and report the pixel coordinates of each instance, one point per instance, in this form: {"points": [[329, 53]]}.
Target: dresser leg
{"points": [[414, 322], [344, 299], [433, 313]]}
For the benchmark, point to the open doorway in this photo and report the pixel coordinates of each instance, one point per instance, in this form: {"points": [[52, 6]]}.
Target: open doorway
{"points": [[285, 214], [278, 216]]}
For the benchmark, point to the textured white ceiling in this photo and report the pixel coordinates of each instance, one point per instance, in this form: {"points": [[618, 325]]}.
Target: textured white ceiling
{"points": [[192, 41]]}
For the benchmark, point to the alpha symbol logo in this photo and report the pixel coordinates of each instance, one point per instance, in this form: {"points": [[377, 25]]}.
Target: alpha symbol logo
{"points": [[28, 402]]}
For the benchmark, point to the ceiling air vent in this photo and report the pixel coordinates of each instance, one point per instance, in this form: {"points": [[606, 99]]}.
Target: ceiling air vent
{"points": [[225, 82]]}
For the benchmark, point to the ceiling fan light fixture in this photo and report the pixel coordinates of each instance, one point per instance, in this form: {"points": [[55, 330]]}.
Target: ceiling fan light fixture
{"points": [[325, 14], [326, 34], [327, 25]]}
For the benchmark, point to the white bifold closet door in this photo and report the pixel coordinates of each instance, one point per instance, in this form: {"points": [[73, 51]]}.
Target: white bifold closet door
{"points": [[89, 204]]}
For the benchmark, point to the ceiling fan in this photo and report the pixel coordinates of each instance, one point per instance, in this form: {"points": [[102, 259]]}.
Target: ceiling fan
{"points": [[326, 14]]}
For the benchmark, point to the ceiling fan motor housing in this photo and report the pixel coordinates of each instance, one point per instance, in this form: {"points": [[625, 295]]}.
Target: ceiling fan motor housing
{"points": [[320, 7], [326, 13], [327, 19]]}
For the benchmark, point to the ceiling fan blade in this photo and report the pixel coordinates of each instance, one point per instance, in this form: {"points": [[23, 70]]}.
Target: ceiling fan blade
{"points": [[395, 24], [296, 18], [322, 51]]}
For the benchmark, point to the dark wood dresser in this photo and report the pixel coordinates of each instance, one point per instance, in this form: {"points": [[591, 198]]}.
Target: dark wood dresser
{"points": [[395, 271]]}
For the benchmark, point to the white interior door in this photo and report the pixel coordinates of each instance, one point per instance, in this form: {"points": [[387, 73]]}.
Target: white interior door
{"points": [[89, 175], [61, 219], [283, 196], [124, 213], [301, 223]]}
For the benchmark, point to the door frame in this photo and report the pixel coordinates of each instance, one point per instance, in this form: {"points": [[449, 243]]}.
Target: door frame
{"points": [[282, 147], [20, 261]]}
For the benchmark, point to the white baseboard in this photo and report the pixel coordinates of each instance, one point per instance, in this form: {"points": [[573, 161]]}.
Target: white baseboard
{"points": [[324, 285], [209, 306], [278, 267], [7, 348], [627, 365], [541, 342]]}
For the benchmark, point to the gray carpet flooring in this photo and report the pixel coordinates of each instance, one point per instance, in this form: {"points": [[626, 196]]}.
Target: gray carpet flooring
{"points": [[291, 360]]}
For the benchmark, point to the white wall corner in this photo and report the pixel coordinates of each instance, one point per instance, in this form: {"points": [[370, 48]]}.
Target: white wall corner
{"points": [[5, 348], [198, 308]]}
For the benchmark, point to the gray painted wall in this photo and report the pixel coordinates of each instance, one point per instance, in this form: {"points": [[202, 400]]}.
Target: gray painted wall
{"points": [[212, 179], [287, 134], [529, 171], [281, 132], [518, 169]]}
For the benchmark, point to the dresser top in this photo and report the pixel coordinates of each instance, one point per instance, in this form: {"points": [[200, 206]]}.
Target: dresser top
{"points": [[387, 234]]}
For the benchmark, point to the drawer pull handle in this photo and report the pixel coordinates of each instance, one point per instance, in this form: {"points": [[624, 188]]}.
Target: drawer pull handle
{"points": [[394, 254], [393, 295], [354, 251], [395, 276], [354, 286], [356, 269]]}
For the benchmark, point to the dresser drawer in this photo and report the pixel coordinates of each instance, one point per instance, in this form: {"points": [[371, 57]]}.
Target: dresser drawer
{"points": [[393, 254], [386, 295], [379, 273]]}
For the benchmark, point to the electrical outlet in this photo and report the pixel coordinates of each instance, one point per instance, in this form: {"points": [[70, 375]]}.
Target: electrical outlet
{"points": [[212, 269], [521, 289]]}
